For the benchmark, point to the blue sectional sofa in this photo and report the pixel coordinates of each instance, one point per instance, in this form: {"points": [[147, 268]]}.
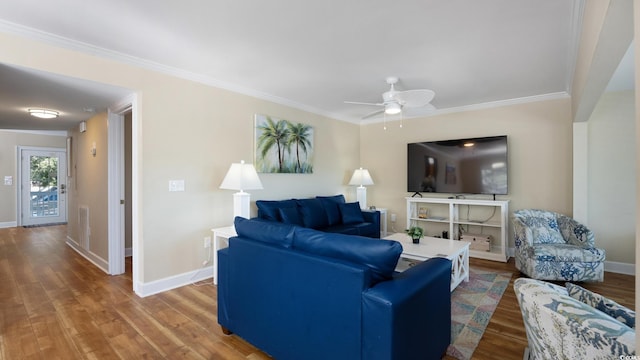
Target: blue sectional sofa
{"points": [[325, 213], [297, 293]]}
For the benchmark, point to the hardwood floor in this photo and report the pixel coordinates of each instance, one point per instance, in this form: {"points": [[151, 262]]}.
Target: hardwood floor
{"points": [[54, 304]]}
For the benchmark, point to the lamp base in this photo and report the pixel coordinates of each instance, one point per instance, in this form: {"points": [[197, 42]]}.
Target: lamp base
{"points": [[242, 205], [361, 196]]}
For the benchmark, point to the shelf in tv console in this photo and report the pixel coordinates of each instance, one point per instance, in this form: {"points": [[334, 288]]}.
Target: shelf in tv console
{"points": [[498, 223]]}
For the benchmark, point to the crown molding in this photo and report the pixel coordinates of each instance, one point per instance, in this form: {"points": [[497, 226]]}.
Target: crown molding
{"points": [[82, 47], [70, 44], [481, 106]]}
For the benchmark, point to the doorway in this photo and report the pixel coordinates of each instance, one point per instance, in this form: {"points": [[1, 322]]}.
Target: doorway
{"points": [[43, 184]]}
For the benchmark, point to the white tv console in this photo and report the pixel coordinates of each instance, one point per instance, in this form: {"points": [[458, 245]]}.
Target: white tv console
{"points": [[487, 217]]}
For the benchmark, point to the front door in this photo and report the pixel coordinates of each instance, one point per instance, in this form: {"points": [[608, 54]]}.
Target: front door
{"points": [[43, 186]]}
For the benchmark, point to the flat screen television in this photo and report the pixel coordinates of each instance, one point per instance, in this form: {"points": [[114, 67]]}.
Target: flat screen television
{"points": [[461, 166]]}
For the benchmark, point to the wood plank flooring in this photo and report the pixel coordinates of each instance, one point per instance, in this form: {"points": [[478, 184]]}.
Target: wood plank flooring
{"points": [[54, 304]]}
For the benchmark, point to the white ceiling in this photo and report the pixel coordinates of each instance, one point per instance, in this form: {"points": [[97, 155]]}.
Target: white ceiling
{"points": [[313, 55]]}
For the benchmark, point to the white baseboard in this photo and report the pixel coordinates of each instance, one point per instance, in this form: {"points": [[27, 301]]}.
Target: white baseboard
{"points": [[620, 268], [8, 224], [172, 282], [96, 260], [128, 252]]}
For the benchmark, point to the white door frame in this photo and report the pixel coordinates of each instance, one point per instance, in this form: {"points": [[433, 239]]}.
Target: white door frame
{"points": [[116, 189], [19, 193]]}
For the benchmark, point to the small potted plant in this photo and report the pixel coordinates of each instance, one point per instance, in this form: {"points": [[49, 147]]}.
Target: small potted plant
{"points": [[416, 233]]}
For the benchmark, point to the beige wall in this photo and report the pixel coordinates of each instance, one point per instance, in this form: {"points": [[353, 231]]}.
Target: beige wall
{"points": [[88, 185], [539, 136], [192, 132], [9, 142]]}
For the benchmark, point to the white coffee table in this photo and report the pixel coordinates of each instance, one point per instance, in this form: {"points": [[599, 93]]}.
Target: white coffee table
{"points": [[456, 251]]}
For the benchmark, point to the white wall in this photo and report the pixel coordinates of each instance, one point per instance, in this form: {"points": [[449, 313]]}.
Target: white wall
{"points": [[612, 175]]}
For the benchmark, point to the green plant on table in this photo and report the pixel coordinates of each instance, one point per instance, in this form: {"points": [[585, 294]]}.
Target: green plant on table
{"points": [[416, 232]]}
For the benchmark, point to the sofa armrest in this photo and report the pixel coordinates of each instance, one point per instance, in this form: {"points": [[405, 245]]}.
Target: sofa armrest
{"points": [[523, 237], [400, 314]]}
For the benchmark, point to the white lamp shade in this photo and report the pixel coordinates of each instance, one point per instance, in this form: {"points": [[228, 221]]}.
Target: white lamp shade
{"points": [[361, 177], [241, 177]]}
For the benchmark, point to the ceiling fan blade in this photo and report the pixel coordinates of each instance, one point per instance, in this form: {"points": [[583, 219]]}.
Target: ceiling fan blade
{"points": [[362, 103], [369, 115], [414, 98]]}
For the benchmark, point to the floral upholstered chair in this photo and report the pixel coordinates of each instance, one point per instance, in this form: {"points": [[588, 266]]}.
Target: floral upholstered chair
{"points": [[573, 323], [552, 246]]}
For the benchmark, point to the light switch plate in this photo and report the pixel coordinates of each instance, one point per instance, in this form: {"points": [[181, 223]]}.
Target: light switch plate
{"points": [[176, 185], [8, 180]]}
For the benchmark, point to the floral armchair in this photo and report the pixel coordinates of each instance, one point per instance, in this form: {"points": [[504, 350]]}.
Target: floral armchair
{"points": [[552, 246], [573, 323]]}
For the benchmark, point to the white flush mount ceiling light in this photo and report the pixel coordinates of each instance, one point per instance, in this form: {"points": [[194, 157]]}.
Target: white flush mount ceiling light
{"points": [[43, 113]]}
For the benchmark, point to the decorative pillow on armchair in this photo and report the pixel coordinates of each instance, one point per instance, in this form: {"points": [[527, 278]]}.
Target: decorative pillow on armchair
{"points": [[607, 306]]}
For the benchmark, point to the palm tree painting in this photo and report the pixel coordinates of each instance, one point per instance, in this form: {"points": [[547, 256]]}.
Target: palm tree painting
{"points": [[283, 146]]}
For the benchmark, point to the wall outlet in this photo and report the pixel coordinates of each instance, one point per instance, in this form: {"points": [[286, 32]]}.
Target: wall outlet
{"points": [[207, 242], [394, 218]]}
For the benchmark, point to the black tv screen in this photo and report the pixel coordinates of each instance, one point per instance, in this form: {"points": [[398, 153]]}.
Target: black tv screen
{"points": [[462, 166]]}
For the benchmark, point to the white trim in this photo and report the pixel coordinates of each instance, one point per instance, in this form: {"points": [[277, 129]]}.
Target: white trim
{"points": [[115, 190], [39, 132], [56, 40], [176, 281], [128, 252], [480, 106], [572, 49], [96, 260], [130, 103], [620, 268], [67, 43], [8, 224]]}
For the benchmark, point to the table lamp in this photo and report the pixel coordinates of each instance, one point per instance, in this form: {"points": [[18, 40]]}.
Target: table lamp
{"points": [[361, 177], [241, 177]]}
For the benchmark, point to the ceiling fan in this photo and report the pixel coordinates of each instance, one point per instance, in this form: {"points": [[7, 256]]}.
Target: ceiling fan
{"points": [[394, 101]]}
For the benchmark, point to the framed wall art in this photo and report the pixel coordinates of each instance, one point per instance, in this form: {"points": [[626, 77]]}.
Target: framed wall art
{"points": [[283, 146]]}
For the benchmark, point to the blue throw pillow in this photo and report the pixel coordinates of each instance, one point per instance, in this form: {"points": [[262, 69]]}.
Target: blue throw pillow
{"points": [[331, 208], [290, 216], [268, 209], [313, 214], [265, 231], [381, 256], [351, 213]]}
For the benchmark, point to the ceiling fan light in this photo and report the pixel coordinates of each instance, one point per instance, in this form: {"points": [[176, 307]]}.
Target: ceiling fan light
{"points": [[392, 109], [43, 113]]}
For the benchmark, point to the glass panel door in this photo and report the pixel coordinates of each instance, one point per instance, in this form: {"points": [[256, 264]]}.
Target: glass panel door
{"points": [[43, 187]]}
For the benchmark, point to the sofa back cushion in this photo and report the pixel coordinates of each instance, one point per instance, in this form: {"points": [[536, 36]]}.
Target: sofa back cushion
{"points": [[351, 213], [312, 213], [265, 231], [332, 209], [381, 256], [268, 209]]}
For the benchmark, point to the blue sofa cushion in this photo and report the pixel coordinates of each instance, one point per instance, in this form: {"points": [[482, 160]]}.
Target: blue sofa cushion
{"points": [[351, 213], [332, 209], [312, 212], [381, 256], [290, 216], [265, 231], [268, 209]]}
